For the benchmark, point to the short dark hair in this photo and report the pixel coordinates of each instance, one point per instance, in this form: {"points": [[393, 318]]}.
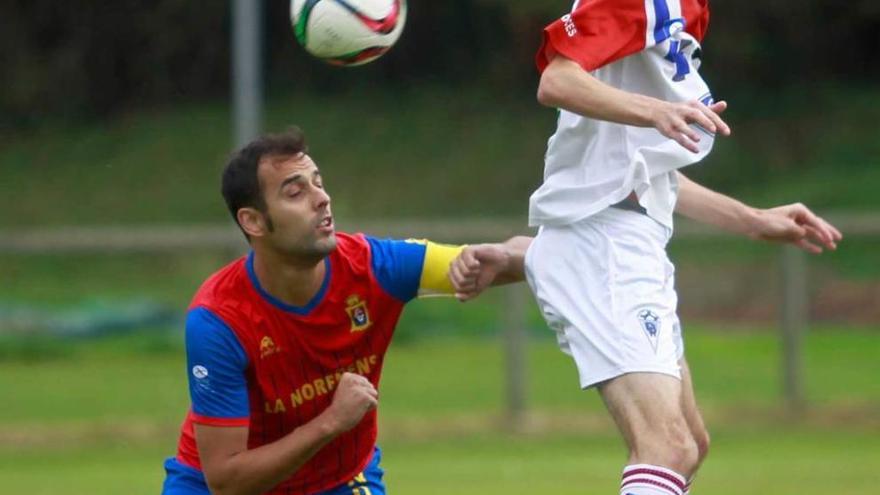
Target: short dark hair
{"points": [[241, 185]]}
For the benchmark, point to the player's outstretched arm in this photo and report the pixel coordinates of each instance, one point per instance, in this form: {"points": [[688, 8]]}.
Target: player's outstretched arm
{"points": [[564, 84], [794, 223], [481, 265], [231, 469]]}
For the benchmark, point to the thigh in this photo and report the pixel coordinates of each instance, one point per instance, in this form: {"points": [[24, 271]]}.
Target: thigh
{"points": [[646, 408]]}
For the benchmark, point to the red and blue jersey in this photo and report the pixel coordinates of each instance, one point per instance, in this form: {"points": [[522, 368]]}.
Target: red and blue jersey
{"points": [[257, 362], [599, 32]]}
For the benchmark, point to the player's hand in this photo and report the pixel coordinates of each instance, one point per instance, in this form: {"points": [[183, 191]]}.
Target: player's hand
{"points": [[476, 268], [674, 120], [796, 224], [354, 397]]}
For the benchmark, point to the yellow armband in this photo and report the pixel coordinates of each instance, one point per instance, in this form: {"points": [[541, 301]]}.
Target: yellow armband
{"points": [[435, 269]]}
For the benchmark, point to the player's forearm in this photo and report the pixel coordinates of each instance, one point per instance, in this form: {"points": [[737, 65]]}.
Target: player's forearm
{"points": [[707, 206], [564, 84], [516, 248], [255, 471]]}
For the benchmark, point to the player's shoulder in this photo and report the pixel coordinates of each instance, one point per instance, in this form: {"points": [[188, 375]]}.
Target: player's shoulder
{"points": [[388, 261], [384, 251], [222, 284], [351, 244], [353, 251]]}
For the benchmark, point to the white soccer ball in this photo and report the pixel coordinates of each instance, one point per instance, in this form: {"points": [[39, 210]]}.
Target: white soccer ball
{"points": [[347, 32]]}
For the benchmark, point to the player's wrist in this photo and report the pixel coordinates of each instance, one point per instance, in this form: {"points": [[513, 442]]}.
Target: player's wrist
{"points": [[751, 221], [654, 111], [328, 425], [515, 249]]}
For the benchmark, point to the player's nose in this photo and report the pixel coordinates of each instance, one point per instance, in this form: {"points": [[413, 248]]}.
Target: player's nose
{"points": [[321, 198]]}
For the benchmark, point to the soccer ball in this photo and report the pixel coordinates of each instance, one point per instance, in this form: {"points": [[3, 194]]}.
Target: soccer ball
{"points": [[347, 32]]}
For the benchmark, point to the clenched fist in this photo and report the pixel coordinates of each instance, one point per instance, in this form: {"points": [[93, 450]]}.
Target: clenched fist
{"points": [[354, 397]]}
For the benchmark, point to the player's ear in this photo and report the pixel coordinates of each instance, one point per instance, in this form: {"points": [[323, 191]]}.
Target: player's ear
{"points": [[252, 221]]}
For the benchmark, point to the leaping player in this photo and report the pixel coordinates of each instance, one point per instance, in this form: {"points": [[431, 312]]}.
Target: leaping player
{"points": [[633, 111]]}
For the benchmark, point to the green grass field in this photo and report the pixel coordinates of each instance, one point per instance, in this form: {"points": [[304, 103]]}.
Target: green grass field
{"points": [[100, 418]]}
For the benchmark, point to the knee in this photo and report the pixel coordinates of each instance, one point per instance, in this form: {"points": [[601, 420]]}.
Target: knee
{"points": [[684, 455], [673, 447], [703, 441]]}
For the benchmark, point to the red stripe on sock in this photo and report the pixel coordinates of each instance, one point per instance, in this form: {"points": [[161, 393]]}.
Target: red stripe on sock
{"points": [[653, 472], [648, 481]]}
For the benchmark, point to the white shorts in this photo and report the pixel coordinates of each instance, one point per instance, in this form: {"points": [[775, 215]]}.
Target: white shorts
{"points": [[607, 288]]}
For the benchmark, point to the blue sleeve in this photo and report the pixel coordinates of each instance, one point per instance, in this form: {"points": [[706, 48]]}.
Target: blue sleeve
{"points": [[397, 266], [216, 365]]}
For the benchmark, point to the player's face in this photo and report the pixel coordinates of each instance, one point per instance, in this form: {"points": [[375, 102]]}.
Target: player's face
{"points": [[297, 207]]}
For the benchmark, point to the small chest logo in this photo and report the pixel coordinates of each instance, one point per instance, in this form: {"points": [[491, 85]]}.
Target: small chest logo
{"points": [[357, 313], [200, 372], [268, 347], [651, 325]]}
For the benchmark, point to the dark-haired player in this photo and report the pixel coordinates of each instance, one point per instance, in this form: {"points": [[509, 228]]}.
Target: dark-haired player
{"points": [[285, 346]]}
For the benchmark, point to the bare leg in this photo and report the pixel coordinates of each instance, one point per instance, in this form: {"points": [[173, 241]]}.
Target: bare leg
{"points": [[647, 408]]}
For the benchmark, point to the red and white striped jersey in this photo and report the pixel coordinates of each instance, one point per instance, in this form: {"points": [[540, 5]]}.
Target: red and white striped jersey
{"points": [[598, 32], [650, 47]]}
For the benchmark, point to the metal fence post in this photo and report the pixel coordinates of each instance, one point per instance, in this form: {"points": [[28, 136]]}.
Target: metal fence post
{"points": [[515, 341], [247, 70], [793, 323]]}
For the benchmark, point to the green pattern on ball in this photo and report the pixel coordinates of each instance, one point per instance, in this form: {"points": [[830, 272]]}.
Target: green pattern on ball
{"points": [[300, 29]]}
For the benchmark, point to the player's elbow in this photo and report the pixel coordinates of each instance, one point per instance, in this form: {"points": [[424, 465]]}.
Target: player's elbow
{"points": [[228, 489], [549, 89], [218, 488], [554, 84], [217, 485], [220, 484]]}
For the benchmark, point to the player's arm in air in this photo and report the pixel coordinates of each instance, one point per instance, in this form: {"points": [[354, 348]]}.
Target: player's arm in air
{"points": [[465, 271], [220, 410], [480, 266], [793, 223], [592, 37], [423, 268], [566, 85]]}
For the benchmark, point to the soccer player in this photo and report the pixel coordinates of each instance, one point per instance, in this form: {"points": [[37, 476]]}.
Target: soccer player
{"points": [[633, 111], [285, 346]]}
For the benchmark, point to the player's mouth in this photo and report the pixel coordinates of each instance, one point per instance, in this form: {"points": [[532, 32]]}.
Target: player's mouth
{"points": [[325, 226]]}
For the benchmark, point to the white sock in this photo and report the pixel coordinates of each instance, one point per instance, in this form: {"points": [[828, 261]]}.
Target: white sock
{"points": [[646, 479], [687, 487]]}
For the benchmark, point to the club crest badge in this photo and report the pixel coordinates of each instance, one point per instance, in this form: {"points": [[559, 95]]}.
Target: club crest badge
{"points": [[651, 325], [268, 347], [357, 312]]}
